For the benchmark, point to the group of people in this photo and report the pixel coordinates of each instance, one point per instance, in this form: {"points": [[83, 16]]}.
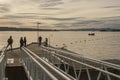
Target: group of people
{"points": [[23, 41], [40, 41]]}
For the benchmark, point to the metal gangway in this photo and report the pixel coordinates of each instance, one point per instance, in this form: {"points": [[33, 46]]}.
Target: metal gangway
{"points": [[3, 61], [57, 64]]}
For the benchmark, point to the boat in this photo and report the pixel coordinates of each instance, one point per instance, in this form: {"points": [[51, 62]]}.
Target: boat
{"points": [[91, 34]]}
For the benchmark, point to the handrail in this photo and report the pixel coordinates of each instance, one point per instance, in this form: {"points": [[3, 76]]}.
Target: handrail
{"points": [[54, 68], [2, 51], [47, 64], [90, 66], [1, 58], [3, 61], [104, 63], [44, 69]]}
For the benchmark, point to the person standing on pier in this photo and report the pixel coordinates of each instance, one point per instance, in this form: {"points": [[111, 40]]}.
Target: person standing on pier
{"points": [[40, 40], [25, 41], [10, 42], [46, 41], [21, 42]]}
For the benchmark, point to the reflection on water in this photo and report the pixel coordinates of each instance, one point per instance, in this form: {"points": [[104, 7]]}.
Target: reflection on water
{"points": [[104, 45]]}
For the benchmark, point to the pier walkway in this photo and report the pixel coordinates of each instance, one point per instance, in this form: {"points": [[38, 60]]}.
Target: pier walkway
{"points": [[49, 63]]}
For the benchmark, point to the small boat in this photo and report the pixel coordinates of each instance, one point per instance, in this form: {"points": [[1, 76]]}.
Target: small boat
{"points": [[91, 34]]}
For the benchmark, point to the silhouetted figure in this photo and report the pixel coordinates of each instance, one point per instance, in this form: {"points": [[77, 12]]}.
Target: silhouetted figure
{"points": [[40, 40], [10, 42], [21, 42], [46, 41], [25, 41]]}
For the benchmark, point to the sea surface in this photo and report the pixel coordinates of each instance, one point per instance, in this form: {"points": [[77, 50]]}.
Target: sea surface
{"points": [[104, 45]]}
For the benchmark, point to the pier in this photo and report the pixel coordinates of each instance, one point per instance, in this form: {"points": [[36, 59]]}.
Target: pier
{"points": [[49, 63]]}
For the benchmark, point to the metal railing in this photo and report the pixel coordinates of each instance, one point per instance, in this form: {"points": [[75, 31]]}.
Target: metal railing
{"points": [[38, 69], [83, 58], [84, 64], [3, 60]]}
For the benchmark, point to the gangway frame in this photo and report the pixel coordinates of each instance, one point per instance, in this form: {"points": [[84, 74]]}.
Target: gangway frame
{"points": [[103, 69], [35, 58]]}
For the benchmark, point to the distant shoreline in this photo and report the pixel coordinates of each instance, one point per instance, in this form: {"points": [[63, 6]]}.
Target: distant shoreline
{"points": [[84, 29]]}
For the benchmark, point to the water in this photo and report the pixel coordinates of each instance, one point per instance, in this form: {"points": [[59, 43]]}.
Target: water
{"points": [[104, 45]]}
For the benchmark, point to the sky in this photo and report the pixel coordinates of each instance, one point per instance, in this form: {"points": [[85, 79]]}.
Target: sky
{"points": [[60, 14]]}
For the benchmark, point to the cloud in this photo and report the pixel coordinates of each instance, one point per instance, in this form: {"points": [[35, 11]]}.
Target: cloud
{"points": [[64, 19], [111, 18], [89, 22], [3, 4], [28, 13], [51, 3], [16, 16], [51, 8], [106, 22], [11, 23], [111, 6], [4, 8], [42, 3], [61, 25], [36, 14], [62, 13]]}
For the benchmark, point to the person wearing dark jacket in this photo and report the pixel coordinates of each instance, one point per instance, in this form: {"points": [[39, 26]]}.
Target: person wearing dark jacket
{"points": [[10, 42], [40, 40], [46, 42], [21, 42], [25, 41]]}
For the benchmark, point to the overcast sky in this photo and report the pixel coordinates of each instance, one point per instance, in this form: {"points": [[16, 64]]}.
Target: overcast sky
{"points": [[60, 13]]}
